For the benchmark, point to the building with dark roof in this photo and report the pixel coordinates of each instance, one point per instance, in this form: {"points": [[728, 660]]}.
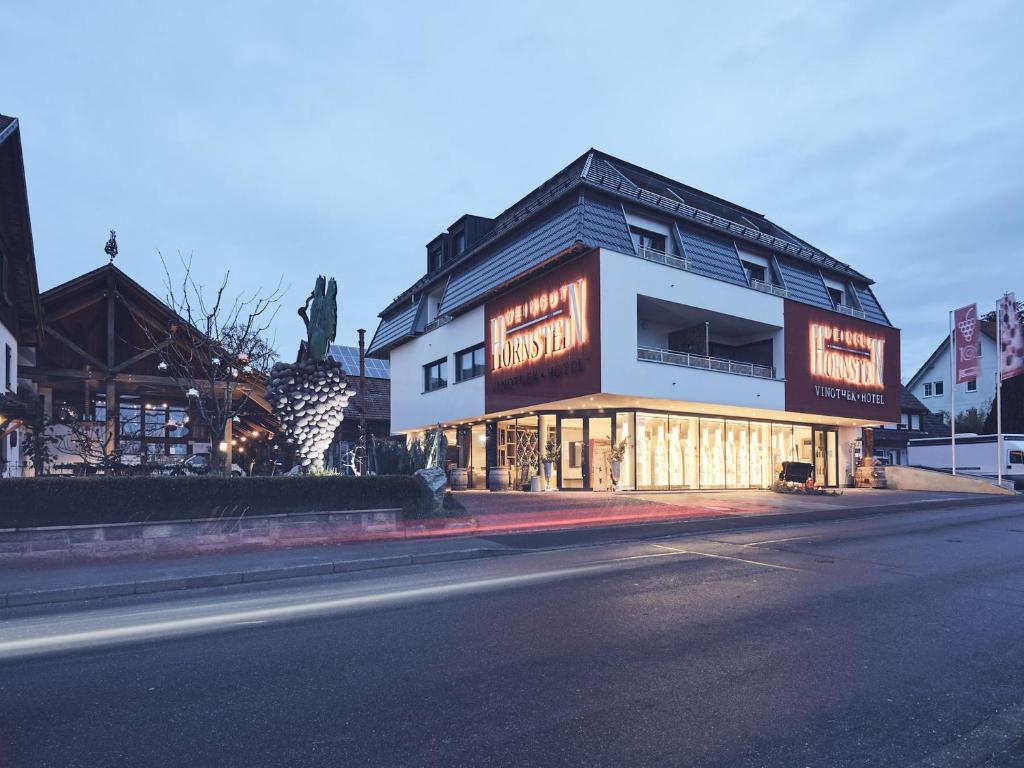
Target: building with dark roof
{"points": [[20, 326], [613, 306], [916, 422], [376, 401], [932, 383]]}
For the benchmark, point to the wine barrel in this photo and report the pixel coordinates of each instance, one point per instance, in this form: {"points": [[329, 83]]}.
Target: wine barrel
{"points": [[458, 478], [497, 479]]}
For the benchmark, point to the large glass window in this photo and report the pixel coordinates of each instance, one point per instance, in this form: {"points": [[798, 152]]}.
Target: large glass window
{"points": [[644, 238], [519, 449], [469, 363], [624, 435], [782, 447], [651, 451], [712, 453], [478, 456], [737, 455], [802, 442], [435, 375], [683, 451], [761, 455], [549, 446]]}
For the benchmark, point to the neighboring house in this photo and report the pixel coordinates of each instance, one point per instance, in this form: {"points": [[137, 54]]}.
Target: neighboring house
{"points": [[20, 329], [615, 308], [99, 370], [378, 403], [931, 384], [916, 421]]}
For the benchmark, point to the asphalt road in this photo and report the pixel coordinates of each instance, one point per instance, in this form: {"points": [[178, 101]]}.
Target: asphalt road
{"points": [[888, 641]]}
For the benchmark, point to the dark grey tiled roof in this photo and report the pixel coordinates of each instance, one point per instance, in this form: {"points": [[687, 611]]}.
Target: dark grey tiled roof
{"points": [[805, 285], [711, 256], [554, 235], [868, 303], [397, 326]]}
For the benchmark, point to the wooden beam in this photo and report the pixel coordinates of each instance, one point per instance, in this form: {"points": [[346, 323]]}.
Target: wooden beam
{"points": [[70, 309], [140, 314], [141, 356], [110, 320], [74, 347]]}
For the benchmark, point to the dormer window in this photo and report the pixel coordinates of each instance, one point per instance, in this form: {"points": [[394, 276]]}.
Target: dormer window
{"points": [[837, 295], [754, 271], [436, 257], [644, 238], [459, 244]]}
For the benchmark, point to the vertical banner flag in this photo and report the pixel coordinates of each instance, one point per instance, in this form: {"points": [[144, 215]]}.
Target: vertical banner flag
{"points": [[967, 341], [1011, 337]]}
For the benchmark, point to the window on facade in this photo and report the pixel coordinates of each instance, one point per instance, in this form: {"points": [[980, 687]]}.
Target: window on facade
{"points": [[470, 363], [644, 238], [435, 375], [972, 385], [938, 389], [459, 244], [755, 271], [8, 365], [436, 257], [837, 295], [1017, 457], [928, 389]]}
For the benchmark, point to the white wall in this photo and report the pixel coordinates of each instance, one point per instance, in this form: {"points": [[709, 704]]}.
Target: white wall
{"points": [[939, 371], [10, 456], [623, 278], [411, 407]]}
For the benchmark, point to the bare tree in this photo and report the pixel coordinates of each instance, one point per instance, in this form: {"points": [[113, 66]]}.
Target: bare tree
{"points": [[85, 438], [218, 350]]}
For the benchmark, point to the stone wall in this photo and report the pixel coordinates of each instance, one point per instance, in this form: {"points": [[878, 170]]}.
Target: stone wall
{"points": [[83, 542]]}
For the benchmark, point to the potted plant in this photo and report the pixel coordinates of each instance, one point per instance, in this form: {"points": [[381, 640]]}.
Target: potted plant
{"points": [[615, 457], [552, 452]]}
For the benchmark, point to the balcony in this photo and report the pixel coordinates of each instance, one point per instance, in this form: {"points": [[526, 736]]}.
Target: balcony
{"points": [[844, 310], [774, 290], [705, 362], [660, 257]]}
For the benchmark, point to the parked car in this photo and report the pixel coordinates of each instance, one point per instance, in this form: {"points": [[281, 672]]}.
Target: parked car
{"points": [[198, 464]]}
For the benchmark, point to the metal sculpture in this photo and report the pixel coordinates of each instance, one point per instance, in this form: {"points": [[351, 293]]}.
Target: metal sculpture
{"points": [[309, 396]]}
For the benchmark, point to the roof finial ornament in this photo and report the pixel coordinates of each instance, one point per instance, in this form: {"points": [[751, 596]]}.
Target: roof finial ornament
{"points": [[111, 247]]}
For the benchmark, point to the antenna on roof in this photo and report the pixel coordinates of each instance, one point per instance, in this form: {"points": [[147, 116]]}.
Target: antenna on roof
{"points": [[111, 247]]}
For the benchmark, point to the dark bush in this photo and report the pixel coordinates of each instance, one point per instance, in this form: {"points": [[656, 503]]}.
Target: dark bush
{"points": [[42, 501]]}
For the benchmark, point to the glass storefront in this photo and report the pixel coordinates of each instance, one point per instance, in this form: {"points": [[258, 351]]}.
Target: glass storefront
{"points": [[661, 451]]}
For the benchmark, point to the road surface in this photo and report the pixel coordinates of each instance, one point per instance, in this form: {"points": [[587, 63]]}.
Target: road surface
{"points": [[889, 641]]}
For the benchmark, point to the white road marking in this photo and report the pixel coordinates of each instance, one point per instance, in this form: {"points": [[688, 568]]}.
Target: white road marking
{"points": [[727, 557]]}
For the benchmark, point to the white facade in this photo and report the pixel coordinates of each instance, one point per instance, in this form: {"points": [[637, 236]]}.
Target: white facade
{"points": [[936, 375], [10, 445], [623, 279], [412, 407]]}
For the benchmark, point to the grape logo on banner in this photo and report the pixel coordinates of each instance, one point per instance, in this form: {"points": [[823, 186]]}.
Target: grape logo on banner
{"points": [[967, 343]]}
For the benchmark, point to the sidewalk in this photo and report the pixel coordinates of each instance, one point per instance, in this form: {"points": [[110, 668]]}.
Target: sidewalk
{"points": [[49, 583], [503, 523]]}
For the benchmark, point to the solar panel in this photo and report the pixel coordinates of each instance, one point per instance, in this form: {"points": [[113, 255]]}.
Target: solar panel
{"points": [[349, 359]]}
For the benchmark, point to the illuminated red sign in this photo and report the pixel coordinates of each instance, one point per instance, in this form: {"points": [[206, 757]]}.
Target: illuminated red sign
{"points": [[542, 338], [841, 366]]}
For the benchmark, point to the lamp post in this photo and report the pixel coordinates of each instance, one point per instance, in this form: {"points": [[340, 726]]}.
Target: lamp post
{"points": [[362, 401]]}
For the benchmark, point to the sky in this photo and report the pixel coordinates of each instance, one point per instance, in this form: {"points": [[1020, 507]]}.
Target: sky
{"points": [[285, 140]]}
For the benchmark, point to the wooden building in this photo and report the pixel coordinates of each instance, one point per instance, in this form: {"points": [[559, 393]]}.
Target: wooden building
{"points": [[99, 366]]}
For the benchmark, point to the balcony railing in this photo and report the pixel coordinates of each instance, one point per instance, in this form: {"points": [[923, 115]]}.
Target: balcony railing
{"points": [[437, 322], [687, 360], [661, 257], [774, 290], [842, 309]]}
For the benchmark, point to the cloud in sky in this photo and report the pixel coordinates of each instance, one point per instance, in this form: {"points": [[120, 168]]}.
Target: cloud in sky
{"points": [[292, 139]]}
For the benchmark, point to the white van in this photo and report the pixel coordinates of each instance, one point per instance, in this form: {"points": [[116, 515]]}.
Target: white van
{"points": [[975, 455]]}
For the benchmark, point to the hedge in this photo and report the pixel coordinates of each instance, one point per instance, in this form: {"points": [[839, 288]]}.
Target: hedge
{"points": [[43, 501]]}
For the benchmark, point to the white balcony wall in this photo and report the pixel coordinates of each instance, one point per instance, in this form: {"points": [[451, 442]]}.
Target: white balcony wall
{"points": [[411, 407], [10, 455], [625, 277]]}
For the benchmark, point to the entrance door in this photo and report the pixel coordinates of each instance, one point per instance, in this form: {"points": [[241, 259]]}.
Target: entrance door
{"points": [[571, 475], [599, 444], [826, 457]]}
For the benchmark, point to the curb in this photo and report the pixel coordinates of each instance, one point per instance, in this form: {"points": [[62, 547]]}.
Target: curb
{"points": [[152, 586]]}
